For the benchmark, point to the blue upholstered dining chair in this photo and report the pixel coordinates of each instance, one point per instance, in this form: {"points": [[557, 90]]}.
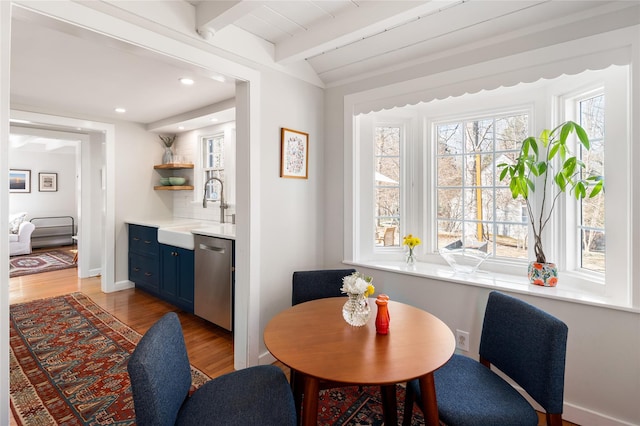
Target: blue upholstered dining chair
{"points": [[160, 375], [525, 343], [312, 285], [320, 284]]}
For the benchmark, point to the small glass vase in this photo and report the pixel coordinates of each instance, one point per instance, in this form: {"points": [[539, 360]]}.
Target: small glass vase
{"points": [[167, 157], [411, 258], [356, 310]]}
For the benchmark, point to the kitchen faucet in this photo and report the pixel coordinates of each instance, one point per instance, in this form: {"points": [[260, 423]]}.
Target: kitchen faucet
{"points": [[223, 205]]}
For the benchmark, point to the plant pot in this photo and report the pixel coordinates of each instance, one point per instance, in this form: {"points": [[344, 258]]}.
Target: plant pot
{"points": [[543, 274]]}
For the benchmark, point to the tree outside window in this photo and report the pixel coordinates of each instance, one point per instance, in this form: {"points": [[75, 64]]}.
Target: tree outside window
{"points": [[472, 204], [387, 185], [591, 213]]}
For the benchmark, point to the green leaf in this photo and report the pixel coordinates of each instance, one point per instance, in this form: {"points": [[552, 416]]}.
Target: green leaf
{"points": [[560, 180], [553, 151], [597, 188], [531, 185], [563, 151], [580, 190], [566, 130], [503, 173], [514, 188], [544, 137], [582, 135], [569, 166], [542, 167], [534, 144]]}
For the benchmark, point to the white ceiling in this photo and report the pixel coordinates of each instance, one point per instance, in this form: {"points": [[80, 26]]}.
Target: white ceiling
{"points": [[56, 66], [343, 40]]}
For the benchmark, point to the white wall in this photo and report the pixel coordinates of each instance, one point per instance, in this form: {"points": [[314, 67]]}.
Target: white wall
{"points": [[137, 151], [291, 209], [602, 381], [38, 204]]}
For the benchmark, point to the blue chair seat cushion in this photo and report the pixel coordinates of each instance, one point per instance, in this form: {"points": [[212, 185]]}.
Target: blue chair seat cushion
{"points": [[468, 393], [252, 396]]}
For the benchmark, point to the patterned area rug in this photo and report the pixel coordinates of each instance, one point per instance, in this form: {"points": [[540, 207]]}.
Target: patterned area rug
{"points": [[35, 263], [68, 364], [358, 407]]}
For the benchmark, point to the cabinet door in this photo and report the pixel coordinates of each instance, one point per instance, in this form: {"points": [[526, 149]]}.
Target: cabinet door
{"points": [[177, 276], [186, 271]]}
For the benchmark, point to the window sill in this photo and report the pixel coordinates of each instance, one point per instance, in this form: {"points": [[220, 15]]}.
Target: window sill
{"points": [[496, 281]]}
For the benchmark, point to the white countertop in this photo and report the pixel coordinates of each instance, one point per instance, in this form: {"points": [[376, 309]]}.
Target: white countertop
{"points": [[181, 226]]}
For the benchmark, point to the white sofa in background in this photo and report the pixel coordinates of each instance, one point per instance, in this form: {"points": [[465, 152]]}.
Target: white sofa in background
{"points": [[20, 242]]}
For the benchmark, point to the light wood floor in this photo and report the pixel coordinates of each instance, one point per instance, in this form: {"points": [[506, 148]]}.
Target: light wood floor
{"points": [[210, 348]]}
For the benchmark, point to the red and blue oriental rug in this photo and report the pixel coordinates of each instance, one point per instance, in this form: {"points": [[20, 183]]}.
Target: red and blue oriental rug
{"points": [[68, 364], [41, 261], [359, 406]]}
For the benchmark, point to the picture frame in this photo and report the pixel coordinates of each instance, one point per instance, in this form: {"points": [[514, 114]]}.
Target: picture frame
{"points": [[19, 180], [48, 182], [294, 154]]}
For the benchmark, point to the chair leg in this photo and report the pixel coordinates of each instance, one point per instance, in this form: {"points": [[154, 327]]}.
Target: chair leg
{"points": [[554, 419], [409, 399]]}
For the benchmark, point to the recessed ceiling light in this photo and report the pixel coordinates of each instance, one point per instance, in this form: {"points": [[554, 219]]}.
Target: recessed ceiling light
{"points": [[120, 110], [214, 120], [186, 81], [180, 127]]}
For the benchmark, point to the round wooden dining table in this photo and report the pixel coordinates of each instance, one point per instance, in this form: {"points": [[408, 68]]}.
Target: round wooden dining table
{"points": [[314, 340]]}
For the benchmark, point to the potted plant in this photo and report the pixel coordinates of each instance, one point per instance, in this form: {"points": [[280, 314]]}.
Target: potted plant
{"points": [[536, 164]]}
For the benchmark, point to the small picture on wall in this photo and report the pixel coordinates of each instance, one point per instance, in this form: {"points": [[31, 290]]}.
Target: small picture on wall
{"points": [[294, 157], [19, 180], [48, 182]]}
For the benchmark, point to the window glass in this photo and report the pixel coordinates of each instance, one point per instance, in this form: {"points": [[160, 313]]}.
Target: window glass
{"points": [[591, 214], [213, 164], [387, 185], [473, 206]]}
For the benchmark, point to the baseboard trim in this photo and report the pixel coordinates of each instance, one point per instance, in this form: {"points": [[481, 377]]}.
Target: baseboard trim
{"points": [[123, 285], [266, 358], [584, 416]]}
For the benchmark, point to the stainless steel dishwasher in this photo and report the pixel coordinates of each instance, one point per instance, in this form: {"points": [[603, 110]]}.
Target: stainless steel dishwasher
{"points": [[214, 280]]}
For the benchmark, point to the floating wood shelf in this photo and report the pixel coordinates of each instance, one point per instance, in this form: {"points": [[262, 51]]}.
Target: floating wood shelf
{"points": [[173, 188], [173, 166]]}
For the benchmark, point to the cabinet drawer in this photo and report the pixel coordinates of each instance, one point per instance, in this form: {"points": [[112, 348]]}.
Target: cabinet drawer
{"points": [[143, 239], [144, 270]]}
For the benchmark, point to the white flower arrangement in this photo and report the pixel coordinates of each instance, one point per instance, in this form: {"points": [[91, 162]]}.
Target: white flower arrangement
{"points": [[357, 283]]}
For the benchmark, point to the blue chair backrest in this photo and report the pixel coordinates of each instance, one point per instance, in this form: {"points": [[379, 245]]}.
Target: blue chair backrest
{"points": [[312, 285], [160, 373], [527, 344]]}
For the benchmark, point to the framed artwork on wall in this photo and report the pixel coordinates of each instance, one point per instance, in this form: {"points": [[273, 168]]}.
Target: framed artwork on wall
{"points": [[294, 154], [19, 180], [48, 182]]}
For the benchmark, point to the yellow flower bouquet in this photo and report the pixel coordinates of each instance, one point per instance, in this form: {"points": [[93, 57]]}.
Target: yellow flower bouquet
{"points": [[411, 242]]}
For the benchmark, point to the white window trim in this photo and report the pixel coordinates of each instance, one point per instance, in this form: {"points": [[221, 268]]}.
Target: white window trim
{"points": [[627, 299]]}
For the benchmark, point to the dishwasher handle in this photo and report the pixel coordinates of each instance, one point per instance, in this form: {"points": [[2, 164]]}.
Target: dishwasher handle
{"points": [[214, 249]]}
